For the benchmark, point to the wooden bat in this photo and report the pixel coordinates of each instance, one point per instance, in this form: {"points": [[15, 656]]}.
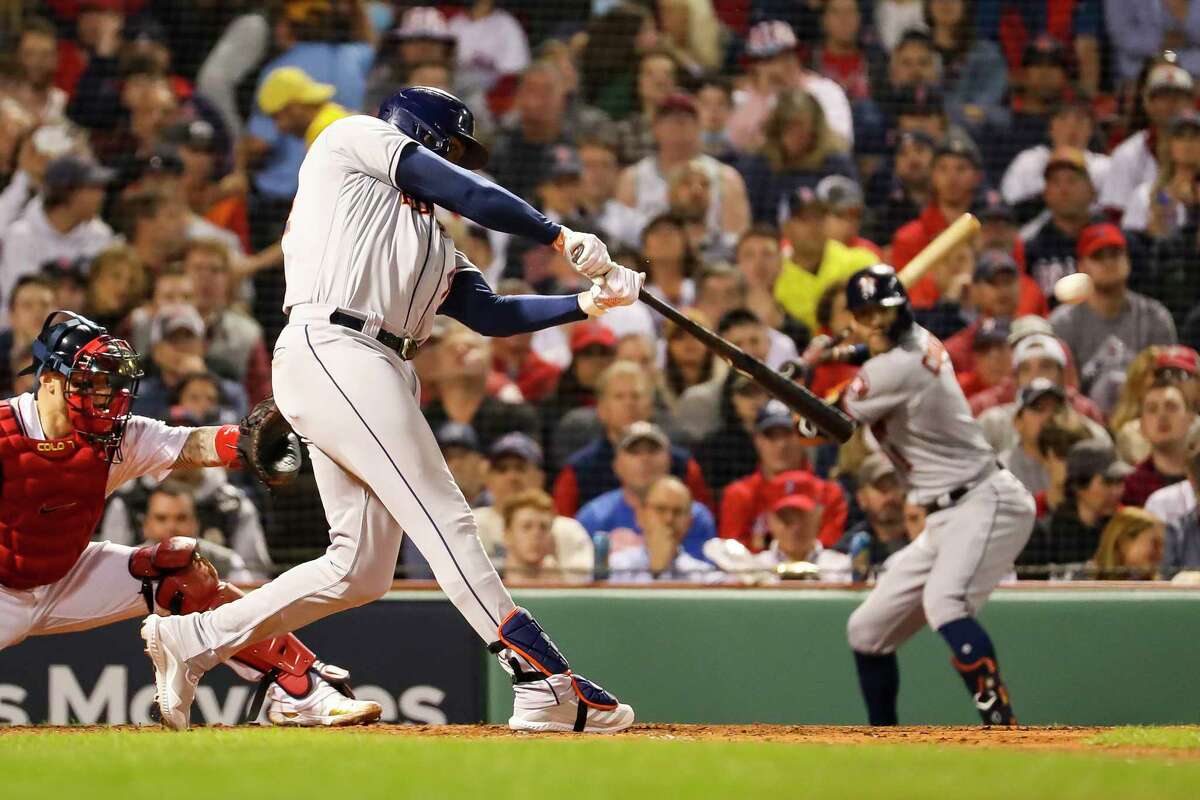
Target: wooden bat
{"points": [[959, 231], [827, 418]]}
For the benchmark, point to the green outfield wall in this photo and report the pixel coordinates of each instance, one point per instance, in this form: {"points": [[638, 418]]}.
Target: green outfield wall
{"points": [[1070, 656]]}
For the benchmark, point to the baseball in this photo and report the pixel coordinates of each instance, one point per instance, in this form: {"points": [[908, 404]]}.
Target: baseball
{"points": [[1073, 288]]}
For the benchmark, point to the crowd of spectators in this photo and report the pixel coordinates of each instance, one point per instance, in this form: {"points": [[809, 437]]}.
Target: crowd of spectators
{"points": [[748, 155]]}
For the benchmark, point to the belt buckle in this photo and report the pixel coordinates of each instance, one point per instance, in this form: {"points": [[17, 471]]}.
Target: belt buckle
{"points": [[407, 348]]}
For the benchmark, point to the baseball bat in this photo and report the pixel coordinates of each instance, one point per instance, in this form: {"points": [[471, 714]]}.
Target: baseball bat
{"points": [[959, 231], [828, 419]]}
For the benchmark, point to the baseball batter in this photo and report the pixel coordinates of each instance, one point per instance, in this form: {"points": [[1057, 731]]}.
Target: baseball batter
{"points": [[979, 515], [367, 267], [63, 449]]}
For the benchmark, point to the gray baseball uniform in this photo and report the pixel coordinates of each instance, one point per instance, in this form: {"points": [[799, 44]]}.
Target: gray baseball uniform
{"points": [[912, 401]]}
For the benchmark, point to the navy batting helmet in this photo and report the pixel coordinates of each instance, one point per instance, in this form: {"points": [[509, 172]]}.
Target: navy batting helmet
{"points": [[102, 374], [878, 285], [434, 118]]}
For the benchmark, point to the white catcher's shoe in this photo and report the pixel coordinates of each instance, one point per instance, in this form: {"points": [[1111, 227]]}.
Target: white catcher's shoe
{"points": [[175, 681], [557, 704], [323, 705]]}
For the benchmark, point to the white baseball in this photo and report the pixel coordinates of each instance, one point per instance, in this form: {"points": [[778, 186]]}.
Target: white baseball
{"points": [[1073, 288]]}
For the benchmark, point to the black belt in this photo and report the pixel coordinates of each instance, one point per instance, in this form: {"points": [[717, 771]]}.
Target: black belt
{"points": [[952, 497], [404, 346]]}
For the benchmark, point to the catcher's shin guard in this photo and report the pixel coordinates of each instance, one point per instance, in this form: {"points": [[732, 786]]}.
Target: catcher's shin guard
{"points": [[982, 678], [282, 660], [523, 643]]}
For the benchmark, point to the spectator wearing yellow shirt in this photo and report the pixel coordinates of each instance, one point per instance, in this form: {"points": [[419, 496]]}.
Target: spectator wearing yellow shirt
{"points": [[815, 261], [299, 105]]}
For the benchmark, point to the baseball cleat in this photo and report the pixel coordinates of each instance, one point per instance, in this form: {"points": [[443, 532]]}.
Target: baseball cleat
{"points": [[567, 703], [175, 681], [993, 705], [324, 705]]}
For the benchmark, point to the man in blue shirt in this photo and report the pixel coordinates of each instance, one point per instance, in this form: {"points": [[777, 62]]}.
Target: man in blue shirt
{"points": [[642, 457]]}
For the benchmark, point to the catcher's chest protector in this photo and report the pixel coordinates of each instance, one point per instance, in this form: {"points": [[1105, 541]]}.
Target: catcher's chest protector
{"points": [[51, 497]]}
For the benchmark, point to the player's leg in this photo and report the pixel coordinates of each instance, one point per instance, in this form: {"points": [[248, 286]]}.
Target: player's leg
{"points": [[978, 541], [16, 615], [887, 618]]}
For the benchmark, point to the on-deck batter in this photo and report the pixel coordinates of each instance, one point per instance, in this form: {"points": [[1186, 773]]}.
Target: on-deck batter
{"points": [[979, 515], [367, 267]]}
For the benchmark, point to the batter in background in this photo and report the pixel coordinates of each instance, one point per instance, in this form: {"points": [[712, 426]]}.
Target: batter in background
{"points": [[367, 267], [979, 516]]}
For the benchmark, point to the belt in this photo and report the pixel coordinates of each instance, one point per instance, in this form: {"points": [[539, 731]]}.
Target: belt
{"points": [[952, 497], [404, 346]]}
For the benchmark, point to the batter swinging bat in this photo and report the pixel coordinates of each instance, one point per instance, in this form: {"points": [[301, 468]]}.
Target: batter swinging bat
{"points": [[828, 419], [959, 231]]}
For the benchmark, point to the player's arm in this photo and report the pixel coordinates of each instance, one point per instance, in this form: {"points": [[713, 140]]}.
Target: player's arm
{"points": [[211, 446]]}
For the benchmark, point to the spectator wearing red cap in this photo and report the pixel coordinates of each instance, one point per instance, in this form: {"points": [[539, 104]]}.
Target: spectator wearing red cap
{"points": [[792, 524], [1167, 92], [773, 68], [782, 470], [593, 348], [1052, 238], [1105, 331], [677, 141], [1174, 366], [625, 395], [1166, 419]]}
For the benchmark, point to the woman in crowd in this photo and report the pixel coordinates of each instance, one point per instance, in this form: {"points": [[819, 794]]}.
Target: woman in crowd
{"points": [[610, 58], [688, 362], [116, 284], [1131, 546], [729, 454], [669, 260], [974, 73], [800, 149]]}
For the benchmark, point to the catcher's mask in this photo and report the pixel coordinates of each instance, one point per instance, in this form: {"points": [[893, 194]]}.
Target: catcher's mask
{"points": [[102, 374]]}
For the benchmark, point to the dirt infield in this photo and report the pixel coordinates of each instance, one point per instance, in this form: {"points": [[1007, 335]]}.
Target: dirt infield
{"points": [[1057, 738]]}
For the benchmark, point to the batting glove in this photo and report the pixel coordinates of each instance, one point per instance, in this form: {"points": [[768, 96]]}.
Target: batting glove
{"points": [[619, 287], [587, 254]]}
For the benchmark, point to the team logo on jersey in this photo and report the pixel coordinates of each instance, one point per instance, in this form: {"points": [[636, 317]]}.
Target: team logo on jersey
{"points": [[859, 387]]}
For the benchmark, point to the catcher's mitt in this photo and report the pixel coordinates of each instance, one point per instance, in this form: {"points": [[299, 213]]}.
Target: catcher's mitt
{"points": [[268, 445]]}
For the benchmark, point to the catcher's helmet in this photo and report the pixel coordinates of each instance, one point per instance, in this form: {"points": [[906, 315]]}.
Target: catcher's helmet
{"points": [[102, 374], [433, 117], [878, 285]]}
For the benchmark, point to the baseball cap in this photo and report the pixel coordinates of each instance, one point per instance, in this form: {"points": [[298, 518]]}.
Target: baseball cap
{"points": [[874, 467], [1039, 345], [992, 263], [517, 444], [994, 209], [642, 431], [769, 39], [771, 416], [677, 103], [919, 100], [589, 333], [561, 162], [196, 134], [1036, 390], [174, 318], [802, 199], [990, 333], [1044, 49], [458, 434], [1093, 457], [1178, 356], [797, 501], [72, 172], [1169, 78], [1068, 158], [958, 146], [424, 22], [144, 28], [162, 160], [291, 85], [1188, 119], [1097, 237], [1027, 326], [840, 193]]}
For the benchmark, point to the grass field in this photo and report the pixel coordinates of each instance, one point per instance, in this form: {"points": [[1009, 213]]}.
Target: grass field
{"points": [[657, 762]]}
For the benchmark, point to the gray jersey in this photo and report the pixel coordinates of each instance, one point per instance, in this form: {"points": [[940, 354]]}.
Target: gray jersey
{"points": [[916, 409]]}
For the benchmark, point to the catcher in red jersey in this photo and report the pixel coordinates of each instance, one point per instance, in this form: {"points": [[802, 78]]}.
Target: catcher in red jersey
{"points": [[64, 447]]}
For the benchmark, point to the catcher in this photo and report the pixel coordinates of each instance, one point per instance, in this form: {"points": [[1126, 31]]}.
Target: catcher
{"points": [[63, 449]]}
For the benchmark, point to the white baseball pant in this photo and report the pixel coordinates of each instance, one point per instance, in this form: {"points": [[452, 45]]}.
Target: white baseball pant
{"points": [[950, 570], [380, 474]]}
